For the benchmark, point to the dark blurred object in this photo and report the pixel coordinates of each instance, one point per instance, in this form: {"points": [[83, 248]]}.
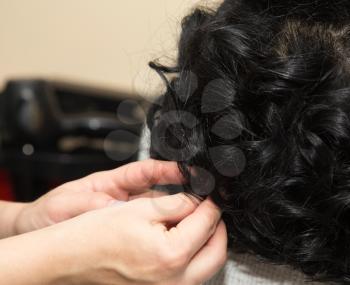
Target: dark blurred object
{"points": [[53, 132], [6, 191]]}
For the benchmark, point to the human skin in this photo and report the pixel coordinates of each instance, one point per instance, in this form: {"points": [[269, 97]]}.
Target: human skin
{"points": [[70, 238]]}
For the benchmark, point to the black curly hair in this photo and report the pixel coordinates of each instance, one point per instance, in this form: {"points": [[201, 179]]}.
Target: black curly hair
{"points": [[257, 110]]}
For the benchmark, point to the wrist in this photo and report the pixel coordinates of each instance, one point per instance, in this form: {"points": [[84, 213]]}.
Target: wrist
{"points": [[69, 255], [38, 258], [58, 254]]}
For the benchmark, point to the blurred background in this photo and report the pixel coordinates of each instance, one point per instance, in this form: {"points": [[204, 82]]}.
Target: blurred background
{"points": [[101, 42], [75, 85]]}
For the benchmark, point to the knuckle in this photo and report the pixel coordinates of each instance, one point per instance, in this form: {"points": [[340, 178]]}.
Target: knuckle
{"points": [[150, 174], [174, 259]]}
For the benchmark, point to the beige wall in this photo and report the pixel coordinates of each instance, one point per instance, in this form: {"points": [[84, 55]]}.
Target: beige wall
{"points": [[103, 42]]}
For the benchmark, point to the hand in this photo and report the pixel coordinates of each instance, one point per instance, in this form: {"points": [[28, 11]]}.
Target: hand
{"points": [[154, 241], [136, 243], [94, 192]]}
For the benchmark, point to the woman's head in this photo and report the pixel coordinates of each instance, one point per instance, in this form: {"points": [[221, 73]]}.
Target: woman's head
{"points": [[257, 114]]}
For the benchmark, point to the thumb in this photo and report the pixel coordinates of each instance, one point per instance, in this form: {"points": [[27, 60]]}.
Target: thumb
{"points": [[80, 203], [170, 209]]}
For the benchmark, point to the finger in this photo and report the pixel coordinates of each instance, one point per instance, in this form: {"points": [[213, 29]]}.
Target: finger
{"points": [[134, 178], [167, 209], [138, 176], [196, 229], [149, 194], [210, 259], [79, 203]]}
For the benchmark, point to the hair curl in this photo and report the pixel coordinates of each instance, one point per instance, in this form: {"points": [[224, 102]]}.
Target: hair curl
{"points": [[269, 80]]}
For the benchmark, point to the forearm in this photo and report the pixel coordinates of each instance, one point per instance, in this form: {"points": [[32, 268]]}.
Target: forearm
{"points": [[32, 258], [8, 214]]}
